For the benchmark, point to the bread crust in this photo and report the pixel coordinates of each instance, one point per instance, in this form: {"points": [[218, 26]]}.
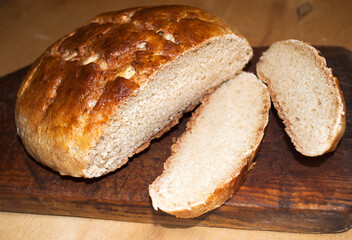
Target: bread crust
{"points": [[75, 87], [221, 193], [340, 121]]}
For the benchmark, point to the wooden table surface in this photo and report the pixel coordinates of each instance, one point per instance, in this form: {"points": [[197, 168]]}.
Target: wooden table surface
{"points": [[28, 27]]}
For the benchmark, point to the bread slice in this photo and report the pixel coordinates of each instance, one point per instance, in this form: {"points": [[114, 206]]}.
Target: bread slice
{"points": [[210, 160], [101, 93], [305, 94]]}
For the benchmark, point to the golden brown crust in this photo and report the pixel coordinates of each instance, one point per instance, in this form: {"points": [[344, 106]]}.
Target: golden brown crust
{"points": [[340, 123], [73, 90]]}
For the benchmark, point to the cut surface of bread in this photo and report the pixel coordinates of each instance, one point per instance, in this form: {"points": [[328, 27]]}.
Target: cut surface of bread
{"points": [[210, 160], [172, 91], [305, 94], [101, 93]]}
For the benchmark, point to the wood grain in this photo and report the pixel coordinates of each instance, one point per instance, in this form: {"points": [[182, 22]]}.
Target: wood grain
{"points": [[15, 226], [285, 191]]}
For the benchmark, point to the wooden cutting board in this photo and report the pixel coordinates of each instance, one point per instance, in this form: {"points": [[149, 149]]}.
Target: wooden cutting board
{"points": [[285, 191]]}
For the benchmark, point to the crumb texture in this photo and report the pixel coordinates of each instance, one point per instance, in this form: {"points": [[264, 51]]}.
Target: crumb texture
{"points": [[173, 90], [221, 140], [305, 94]]}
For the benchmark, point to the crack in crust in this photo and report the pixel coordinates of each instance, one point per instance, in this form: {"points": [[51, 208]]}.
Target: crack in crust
{"points": [[117, 42]]}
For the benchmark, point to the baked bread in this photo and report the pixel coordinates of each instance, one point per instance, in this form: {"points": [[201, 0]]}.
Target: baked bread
{"points": [[210, 160], [305, 94], [101, 93]]}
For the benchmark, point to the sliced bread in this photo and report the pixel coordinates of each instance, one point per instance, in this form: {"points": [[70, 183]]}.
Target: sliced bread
{"points": [[210, 160], [305, 94]]}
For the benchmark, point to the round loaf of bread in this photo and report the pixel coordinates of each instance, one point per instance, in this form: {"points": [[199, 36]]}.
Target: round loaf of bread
{"points": [[101, 93]]}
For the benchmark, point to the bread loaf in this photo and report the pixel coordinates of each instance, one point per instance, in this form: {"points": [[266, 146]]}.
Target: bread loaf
{"points": [[210, 160], [101, 93], [305, 94]]}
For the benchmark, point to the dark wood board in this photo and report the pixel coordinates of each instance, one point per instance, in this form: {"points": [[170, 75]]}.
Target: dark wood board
{"points": [[284, 192]]}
